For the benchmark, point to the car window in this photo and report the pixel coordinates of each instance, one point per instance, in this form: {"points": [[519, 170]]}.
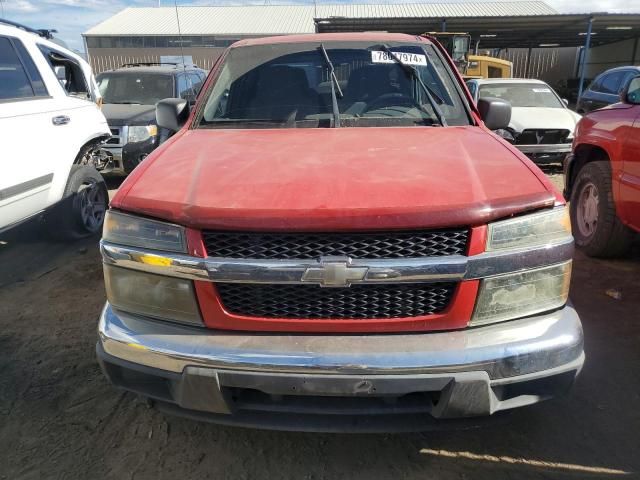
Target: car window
{"points": [[627, 77], [289, 86], [68, 71], [196, 83], [596, 85], [472, 88], [14, 81], [31, 69], [184, 85], [612, 82], [633, 94], [523, 94], [134, 87]]}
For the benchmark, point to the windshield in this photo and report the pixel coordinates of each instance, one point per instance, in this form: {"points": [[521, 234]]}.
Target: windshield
{"points": [[135, 88], [290, 86], [523, 94]]}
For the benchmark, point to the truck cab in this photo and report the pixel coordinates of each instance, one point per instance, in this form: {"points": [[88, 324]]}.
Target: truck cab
{"points": [[334, 239]]}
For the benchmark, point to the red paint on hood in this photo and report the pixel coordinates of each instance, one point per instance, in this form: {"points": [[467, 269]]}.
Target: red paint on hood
{"points": [[333, 179]]}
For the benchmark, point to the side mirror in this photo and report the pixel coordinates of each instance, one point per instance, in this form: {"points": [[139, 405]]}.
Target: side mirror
{"points": [[631, 93], [171, 113], [566, 102], [495, 112]]}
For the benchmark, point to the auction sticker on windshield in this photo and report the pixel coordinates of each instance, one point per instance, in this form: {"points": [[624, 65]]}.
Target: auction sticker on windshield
{"points": [[407, 58]]}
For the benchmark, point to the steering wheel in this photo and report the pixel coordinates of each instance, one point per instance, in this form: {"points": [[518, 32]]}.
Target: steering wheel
{"points": [[392, 100]]}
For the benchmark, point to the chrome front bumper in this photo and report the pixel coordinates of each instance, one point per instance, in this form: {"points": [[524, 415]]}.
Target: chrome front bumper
{"points": [[471, 372]]}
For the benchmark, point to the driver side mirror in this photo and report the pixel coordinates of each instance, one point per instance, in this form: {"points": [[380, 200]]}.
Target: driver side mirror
{"points": [[631, 93], [495, 112], [172, 113]]}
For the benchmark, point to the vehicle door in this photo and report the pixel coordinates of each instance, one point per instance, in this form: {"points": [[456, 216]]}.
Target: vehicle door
{"points": [[630, 179], [30, 119]]}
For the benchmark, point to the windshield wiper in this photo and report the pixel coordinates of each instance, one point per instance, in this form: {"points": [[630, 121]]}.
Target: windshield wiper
{"points": [[431, 95], [335, 85]]}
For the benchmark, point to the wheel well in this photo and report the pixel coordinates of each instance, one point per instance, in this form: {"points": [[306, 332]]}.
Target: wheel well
{"points": [[584, 154], [91, 143]]}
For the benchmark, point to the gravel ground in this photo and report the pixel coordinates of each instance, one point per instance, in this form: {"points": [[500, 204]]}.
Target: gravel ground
{"points": [[59, 418]]}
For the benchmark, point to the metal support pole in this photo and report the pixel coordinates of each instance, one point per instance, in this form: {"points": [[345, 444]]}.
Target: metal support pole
{"points": [[444, 25], [585, 55]]}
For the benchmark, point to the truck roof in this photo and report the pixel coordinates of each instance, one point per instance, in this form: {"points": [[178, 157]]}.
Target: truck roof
{"points": [[332, 37]]}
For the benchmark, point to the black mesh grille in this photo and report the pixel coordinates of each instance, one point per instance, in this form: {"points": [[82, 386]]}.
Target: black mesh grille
{"points": [[357, 301], [542, 137], [355, 245]]}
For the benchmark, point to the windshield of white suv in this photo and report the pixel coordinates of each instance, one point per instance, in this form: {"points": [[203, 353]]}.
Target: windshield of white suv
{"points": [[523, 94], [294, 85], [134, 87]]}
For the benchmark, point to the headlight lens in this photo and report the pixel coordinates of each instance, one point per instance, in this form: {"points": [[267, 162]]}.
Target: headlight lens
{"points": [[141, 232], [516, 295], [531, 230], [156, 296], [141, 133]]}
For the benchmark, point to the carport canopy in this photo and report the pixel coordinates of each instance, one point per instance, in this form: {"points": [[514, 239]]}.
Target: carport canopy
{"points": [[529, 31]]}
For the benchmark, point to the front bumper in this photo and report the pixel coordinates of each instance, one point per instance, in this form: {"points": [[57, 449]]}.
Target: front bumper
{"points": [[342, 382]]}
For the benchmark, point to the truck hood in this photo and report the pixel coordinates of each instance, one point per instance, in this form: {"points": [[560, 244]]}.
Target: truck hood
{"points": [[334, 179], [523, 118], [118, 114]]}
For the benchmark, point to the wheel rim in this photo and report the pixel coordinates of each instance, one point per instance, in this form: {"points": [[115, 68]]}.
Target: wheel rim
{"points": [[92, 205], [587, 210]]}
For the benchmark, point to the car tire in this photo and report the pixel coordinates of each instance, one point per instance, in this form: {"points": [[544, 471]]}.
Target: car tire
{"points": [[82, 209], [596, 228]]}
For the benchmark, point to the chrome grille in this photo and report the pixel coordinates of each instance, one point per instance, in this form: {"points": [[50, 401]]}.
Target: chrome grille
{"points": [[374, 245], [356, 302]]}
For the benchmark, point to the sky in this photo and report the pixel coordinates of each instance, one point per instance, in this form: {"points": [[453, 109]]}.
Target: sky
{"points": [[72, 17]]}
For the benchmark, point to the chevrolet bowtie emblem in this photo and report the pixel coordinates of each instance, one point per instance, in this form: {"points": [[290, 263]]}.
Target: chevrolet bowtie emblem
{"points": [[334, 272]]}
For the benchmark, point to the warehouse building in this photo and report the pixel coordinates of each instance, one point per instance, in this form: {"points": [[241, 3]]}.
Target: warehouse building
{"points": [[540, 42]]}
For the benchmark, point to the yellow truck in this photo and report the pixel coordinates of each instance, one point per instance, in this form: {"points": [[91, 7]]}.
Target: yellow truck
{"points": [[481, 66]]}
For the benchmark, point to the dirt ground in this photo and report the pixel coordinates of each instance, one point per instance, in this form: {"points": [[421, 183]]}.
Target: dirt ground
{"points": [[60, 419]]}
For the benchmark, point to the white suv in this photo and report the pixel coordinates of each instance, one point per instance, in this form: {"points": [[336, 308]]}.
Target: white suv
{"points": [[50, 127]]}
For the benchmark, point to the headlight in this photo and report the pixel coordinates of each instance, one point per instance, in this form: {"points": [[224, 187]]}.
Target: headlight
{"points": [[516, 295], [536, 229], [141, 232], [142, 132], [155, 296]]}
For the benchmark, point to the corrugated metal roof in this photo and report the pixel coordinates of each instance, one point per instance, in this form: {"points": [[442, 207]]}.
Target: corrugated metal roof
{"points": [[289, 19]]}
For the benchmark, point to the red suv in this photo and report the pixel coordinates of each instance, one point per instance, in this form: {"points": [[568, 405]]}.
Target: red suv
{"points": [[335, 240], [602, 176]]}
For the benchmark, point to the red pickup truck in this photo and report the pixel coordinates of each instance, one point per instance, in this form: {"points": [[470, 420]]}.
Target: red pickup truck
{"points": [[602, 176], [335, 240]]}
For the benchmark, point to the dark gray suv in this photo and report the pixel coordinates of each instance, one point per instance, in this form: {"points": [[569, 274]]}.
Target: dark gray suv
{"points": [[605, 89]]}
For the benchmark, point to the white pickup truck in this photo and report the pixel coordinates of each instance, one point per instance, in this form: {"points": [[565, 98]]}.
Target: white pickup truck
{"points": [[50, 126]]}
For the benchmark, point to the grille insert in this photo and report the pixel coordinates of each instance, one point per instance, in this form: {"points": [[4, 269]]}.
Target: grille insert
{"points": [[314, 302], [356, 245], [542, 137]]}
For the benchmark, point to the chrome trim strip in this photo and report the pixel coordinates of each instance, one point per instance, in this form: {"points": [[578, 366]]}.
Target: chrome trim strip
{"points": [[403, 270], [502, 350]]}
